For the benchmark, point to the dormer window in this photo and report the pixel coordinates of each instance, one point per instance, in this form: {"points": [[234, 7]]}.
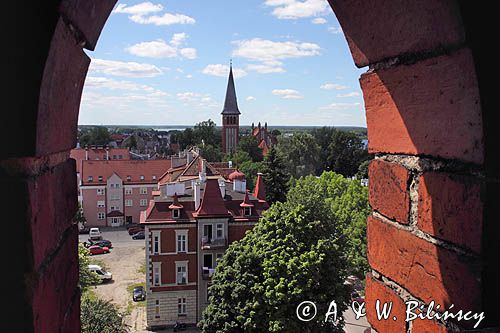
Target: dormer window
{"points": [[129, 178], [154, 177], [142, 177], [90, 179], [176, 213], [248, 211], [100, 178]]}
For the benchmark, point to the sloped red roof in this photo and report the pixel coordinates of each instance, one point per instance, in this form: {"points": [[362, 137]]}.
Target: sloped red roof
{"points": [[263, 145], [175, 204], [237, 174], [124, 168], [246, 202], [260, 188], [195, 166], [78, 154], [212, 202], [114, 213]]}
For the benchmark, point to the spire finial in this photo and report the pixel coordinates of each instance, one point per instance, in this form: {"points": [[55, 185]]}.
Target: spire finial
{"points": [[231, 62]]}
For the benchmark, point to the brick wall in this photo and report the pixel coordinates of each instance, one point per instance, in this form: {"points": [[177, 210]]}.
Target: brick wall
{"points": [[427, 182]]}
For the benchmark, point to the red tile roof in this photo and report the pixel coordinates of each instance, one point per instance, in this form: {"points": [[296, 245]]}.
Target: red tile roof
{"points": [[78, 154], [260, 189], [212, 202], [237, 174], [175, 204], [246, 202], [124, 168]]}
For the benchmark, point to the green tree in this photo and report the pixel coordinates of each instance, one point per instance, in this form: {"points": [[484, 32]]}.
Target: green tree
{"points": [[87, 278], [346, 153], [250, 145], [206, 132], [250, 169], [80, 217], [99, 316], [294, 253], [348, 200], [363, 170], [131, 142], [301, 153], [211, 153], [97, 135], [276, 177]]}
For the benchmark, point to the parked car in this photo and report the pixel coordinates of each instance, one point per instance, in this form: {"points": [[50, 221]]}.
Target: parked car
{"points": [[134, 230], [96, 249], [95, 234], [103, 275], [138, 294], [101, 243], [139, 235]]}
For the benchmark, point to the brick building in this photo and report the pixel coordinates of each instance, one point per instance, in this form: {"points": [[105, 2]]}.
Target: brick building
{"points": [[264, 137], [188, 225], [114, 192]]}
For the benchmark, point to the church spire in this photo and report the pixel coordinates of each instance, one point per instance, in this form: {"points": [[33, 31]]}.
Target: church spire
{"points": [[230, 104]]}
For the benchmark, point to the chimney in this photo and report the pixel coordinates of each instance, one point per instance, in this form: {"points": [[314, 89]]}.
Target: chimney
{"points": [[203, 172], [86, 153], [189, 157], [196, 194], [107, 153], [230, 164], [260, 191], [253, 126], [222, 186]]}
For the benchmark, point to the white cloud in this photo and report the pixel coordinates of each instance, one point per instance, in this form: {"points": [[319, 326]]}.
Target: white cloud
{"points": [[351, 94], [340, 106], [139, 14], [161, 49], [258, 49], [165, 19], [294, 9], [265, 68], [195, 99], [189, 53], [223, 70], [97, 82], [335, 30], [333, 86], [139, 9], [319, 20], [125, 69], [250, 98], [287, 93]]}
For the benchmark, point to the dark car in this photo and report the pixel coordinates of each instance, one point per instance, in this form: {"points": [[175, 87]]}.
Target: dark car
{"points": [[96, 249], [101, 243], [134, 230], [138, 294], [139, 235]]}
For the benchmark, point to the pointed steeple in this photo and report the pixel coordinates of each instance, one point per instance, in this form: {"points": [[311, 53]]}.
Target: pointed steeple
{"points": [[230, 104]]}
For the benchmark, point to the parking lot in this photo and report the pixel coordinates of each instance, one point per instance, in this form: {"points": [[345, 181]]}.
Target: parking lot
{"points": [[124, 261]]}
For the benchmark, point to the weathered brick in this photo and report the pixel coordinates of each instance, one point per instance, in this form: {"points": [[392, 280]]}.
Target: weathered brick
{"points": [[60, 93], [388, 192], [450, 208], [55, 286], [88, 16], [375, 290], [380, 29], [53, 203], [426, 270], [431, 107]]}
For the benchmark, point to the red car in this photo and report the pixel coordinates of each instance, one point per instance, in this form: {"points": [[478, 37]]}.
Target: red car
{"points": [[96, 249]]}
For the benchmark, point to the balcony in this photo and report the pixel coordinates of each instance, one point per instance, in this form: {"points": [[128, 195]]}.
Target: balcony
{"points": [[211, 244], [206, 273]]}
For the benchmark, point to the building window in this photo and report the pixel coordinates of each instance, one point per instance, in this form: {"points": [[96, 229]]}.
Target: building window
{"points": [[114, 157], [181, 241], [112, 208], [128, 190], [129, 178], [142, 177], [128, 203], [219, 231], [115, 197], [100, 191], [99, 178], [181, 306], [90, 179], [144, 202], [101, 216], [144, 190], [120, 157], [154, 177], [156, 274], [101, 204], [157, 309], [176, 213], [181, 277], [248, 211], [156, 243]]}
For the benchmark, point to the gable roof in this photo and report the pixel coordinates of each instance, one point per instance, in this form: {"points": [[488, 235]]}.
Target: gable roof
{"points": [[124, 168]]}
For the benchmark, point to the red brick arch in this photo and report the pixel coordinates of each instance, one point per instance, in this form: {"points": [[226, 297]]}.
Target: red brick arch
{"points": [[432, 186]]}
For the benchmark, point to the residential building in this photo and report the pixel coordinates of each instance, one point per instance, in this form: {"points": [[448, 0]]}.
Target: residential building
{"points": [[197, 213], [114, 192]]}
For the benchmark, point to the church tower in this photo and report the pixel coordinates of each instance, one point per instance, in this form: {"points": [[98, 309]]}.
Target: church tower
{"points": [[230, 118]]}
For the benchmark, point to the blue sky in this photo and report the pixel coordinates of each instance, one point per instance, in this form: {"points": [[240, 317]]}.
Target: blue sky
{"points": [[166, 63]]}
